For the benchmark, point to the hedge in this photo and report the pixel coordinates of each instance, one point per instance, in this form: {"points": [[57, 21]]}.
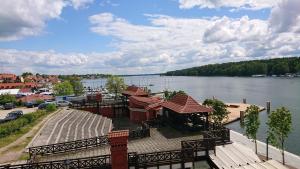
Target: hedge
{"points": [[14, 126]]}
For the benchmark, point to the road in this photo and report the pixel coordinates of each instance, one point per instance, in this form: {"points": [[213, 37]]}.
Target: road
{"points": [[25, 110]]}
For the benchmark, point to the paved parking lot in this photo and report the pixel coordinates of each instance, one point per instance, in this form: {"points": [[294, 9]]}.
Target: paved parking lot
{"points": [[25, 110]]}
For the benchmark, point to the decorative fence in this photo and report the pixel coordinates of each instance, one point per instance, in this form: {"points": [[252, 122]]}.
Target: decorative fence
{"points": [[205, 144], [82, 144], [68, 146], [221, 135], [98, 162], [160, 158]]}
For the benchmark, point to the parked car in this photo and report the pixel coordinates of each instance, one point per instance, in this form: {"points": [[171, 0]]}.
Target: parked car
{"points": [[1, 107], [43, 105], [29, 105], [12, 116], [9, 106], [63, 103]]}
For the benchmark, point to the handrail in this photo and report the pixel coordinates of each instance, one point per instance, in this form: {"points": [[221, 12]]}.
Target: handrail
{"points": [[103, 161], [82, 144]]}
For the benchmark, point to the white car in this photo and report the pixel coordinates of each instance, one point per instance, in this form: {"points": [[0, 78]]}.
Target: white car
{"points": [[63, 103]]}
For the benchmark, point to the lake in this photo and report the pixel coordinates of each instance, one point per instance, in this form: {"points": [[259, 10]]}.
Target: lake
{"points": [[280, 91]]}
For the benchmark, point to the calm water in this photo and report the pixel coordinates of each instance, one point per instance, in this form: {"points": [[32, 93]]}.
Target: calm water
{"points": [[280, 91]]}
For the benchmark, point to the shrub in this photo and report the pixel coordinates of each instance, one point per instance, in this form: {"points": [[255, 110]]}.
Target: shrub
{"points": [[50, 107], [14, 126]]}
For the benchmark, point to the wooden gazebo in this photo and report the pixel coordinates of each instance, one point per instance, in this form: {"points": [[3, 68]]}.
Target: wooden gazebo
{"points": [[183, 112]]}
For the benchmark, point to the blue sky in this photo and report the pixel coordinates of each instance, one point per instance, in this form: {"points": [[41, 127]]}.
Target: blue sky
{"points": [[143, 36]]}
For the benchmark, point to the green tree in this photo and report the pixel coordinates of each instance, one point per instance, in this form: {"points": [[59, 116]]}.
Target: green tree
{"points": [[298, 68], [25, 74], [280, 69], [251, 123], [76, 84], [63, 89], [7, 98], [220, 112], [280, 125], [115, 84], [169, 95]]}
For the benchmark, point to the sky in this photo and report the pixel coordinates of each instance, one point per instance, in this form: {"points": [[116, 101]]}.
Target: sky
{"points": [[142, 36]]}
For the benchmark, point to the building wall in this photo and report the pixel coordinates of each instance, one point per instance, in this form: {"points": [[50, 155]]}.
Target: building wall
{"points": [[137, 116]]}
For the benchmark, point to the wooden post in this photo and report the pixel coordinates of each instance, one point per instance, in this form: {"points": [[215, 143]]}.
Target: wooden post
{"points": [[268, 107], [242, 116], [244, 101]]}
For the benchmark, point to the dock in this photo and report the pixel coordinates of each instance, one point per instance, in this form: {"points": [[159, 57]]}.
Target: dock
{"points": [[235, 110]]}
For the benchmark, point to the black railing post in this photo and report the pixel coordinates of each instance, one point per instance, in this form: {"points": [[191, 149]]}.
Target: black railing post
{"points": [[267, 148]]}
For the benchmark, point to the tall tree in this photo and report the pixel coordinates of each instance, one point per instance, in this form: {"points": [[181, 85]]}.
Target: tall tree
{"points": [[252, 122], [169, 95], [63, 89], [280, 125], [115, 84], [220, 112]]}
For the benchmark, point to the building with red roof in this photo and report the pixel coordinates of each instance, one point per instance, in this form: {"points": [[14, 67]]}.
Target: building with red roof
{"points": [[143, 108], [17, 85], [8, 78], [34, 97], [185, 112], [134, 91]]}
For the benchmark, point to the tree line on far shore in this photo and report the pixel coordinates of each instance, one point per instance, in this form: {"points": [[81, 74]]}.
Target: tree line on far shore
{"points": [[278, 66]]}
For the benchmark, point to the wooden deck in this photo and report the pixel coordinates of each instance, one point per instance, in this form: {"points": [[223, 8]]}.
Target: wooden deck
{"points": [[235, 109]]}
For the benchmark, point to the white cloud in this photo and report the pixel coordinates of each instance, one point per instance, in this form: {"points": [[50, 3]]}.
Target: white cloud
{"points": [[77, 4], [245, 4], [27, 18], [169, 43], [22, 18], [285, 17]]}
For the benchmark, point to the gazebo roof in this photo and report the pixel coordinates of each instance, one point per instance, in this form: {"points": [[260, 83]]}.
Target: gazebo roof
{"points": [[144, 101], [185, 104], [134, 91]]}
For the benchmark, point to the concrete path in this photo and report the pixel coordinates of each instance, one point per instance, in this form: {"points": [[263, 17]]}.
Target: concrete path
{"points": [[274, 153]]}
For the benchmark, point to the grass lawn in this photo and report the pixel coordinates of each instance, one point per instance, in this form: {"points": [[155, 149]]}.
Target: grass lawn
{"points": [[18, 148], [11, 138]]}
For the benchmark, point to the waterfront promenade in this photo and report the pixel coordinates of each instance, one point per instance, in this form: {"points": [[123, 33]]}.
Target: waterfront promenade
{"points": [[274, 153]]}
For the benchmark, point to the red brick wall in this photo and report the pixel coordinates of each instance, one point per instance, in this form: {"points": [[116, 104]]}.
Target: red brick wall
{"points": [[137, 117], [104, 111]]}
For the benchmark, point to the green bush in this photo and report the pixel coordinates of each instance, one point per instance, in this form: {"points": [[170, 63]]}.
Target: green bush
{"points": [[7, 98], [50, 107], [14, 126]]}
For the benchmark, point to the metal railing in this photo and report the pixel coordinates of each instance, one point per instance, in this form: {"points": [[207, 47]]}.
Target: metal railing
{"points": [[98, 162], [68, 146]]}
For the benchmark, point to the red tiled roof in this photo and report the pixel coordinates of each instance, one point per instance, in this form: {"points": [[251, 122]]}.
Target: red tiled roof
{"points": [[119, 133], [35, 97], [25, 90], [148, 100], [182, 103], [154, 106], [134, 91]]}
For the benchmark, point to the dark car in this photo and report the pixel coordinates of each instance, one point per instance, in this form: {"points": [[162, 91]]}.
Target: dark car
{"points": [[9, 106], [12, 116], [29, 105]]}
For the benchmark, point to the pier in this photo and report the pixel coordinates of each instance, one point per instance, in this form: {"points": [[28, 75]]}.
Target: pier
{"points": [[237, 111]]}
